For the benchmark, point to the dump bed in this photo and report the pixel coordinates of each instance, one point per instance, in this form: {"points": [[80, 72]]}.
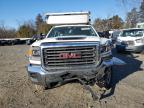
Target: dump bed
{"points": [[67, 18]]}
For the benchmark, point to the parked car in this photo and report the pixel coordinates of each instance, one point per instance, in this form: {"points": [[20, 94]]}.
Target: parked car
{"points": [[101, 34], [17, 41], [130, 40], [106, 34], [3, 42], [35, 38], [30, 41]]}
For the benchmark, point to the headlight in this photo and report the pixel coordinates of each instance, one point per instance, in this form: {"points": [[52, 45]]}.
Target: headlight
{"points": [[34, 51], [139, 40], [105, 48]]}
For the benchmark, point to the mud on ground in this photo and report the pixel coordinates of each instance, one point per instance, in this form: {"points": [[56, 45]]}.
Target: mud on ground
{"points": [[17, 92]]}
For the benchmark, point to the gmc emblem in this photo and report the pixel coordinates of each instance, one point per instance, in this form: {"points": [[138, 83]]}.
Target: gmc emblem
{"points": [[69, 55]]}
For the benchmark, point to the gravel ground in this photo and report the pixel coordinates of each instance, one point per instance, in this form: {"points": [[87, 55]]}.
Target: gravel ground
{"points": [[17, 92]]}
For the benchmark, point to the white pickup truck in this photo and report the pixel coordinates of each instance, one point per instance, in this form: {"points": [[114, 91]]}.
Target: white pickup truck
{"points": [[131, 39], [71, 50]]}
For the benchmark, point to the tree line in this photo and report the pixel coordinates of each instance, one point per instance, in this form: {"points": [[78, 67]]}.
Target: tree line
{"points": [[30, 28], [116, 22], [27, 29]]}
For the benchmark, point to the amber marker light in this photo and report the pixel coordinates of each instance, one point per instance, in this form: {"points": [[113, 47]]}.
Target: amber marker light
{"points": [[29, 52]]}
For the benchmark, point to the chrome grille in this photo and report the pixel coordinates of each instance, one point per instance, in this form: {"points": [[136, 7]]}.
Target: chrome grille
{"points": [[51, 56]]}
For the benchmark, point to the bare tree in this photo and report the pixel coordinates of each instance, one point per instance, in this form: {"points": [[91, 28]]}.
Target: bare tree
{"points": [[27, 29], [132, 18], [6, 32], [141, 13]]}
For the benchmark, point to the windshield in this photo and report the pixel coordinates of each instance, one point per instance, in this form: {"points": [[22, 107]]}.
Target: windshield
{"points": [[72, 31], [133, 33]]}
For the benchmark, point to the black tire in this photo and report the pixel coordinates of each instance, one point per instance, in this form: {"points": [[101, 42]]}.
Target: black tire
{"points": [[118, 50], [106, 80]]}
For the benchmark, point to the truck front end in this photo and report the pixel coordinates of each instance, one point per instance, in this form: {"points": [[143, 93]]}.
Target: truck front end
{"points": [[69, 51], [72, 50]]}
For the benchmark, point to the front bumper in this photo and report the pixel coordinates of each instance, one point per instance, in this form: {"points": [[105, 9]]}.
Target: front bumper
{"points": [[130, 48], [43, 77], [40, 76]]}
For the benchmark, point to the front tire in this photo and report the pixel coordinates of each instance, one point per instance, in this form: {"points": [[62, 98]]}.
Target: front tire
{"points": [[118, 50], [106, 80]]}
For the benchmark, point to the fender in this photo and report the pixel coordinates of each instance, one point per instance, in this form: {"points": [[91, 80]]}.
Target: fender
{"points": [[114, 61]]}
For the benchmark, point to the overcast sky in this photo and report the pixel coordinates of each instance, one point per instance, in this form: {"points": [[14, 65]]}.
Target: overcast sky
{"points": [[14, 12]]}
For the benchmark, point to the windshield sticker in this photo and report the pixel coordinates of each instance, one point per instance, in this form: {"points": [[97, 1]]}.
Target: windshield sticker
{"points": [[85, 28]]}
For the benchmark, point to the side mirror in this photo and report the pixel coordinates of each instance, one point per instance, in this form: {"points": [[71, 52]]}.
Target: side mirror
{"points": [[42, 36]]}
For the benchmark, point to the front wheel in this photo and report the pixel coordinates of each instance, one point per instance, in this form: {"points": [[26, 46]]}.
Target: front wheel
{"points": [[118, 50], [106, 80]]}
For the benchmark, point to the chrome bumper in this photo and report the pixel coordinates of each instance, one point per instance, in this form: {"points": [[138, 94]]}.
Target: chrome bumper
{"points": [[130, 48], [43, 77], [135, 48], [40, 76]]}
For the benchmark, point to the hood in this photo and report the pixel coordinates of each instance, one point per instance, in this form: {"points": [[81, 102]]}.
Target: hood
{"points": [[68, 39], [128, 38]]}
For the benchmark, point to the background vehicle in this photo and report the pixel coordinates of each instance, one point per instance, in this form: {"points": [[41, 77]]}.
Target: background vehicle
{"points": [[114, 35], [13, 41], [35, 38], [140, 25], [131, 40]]}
